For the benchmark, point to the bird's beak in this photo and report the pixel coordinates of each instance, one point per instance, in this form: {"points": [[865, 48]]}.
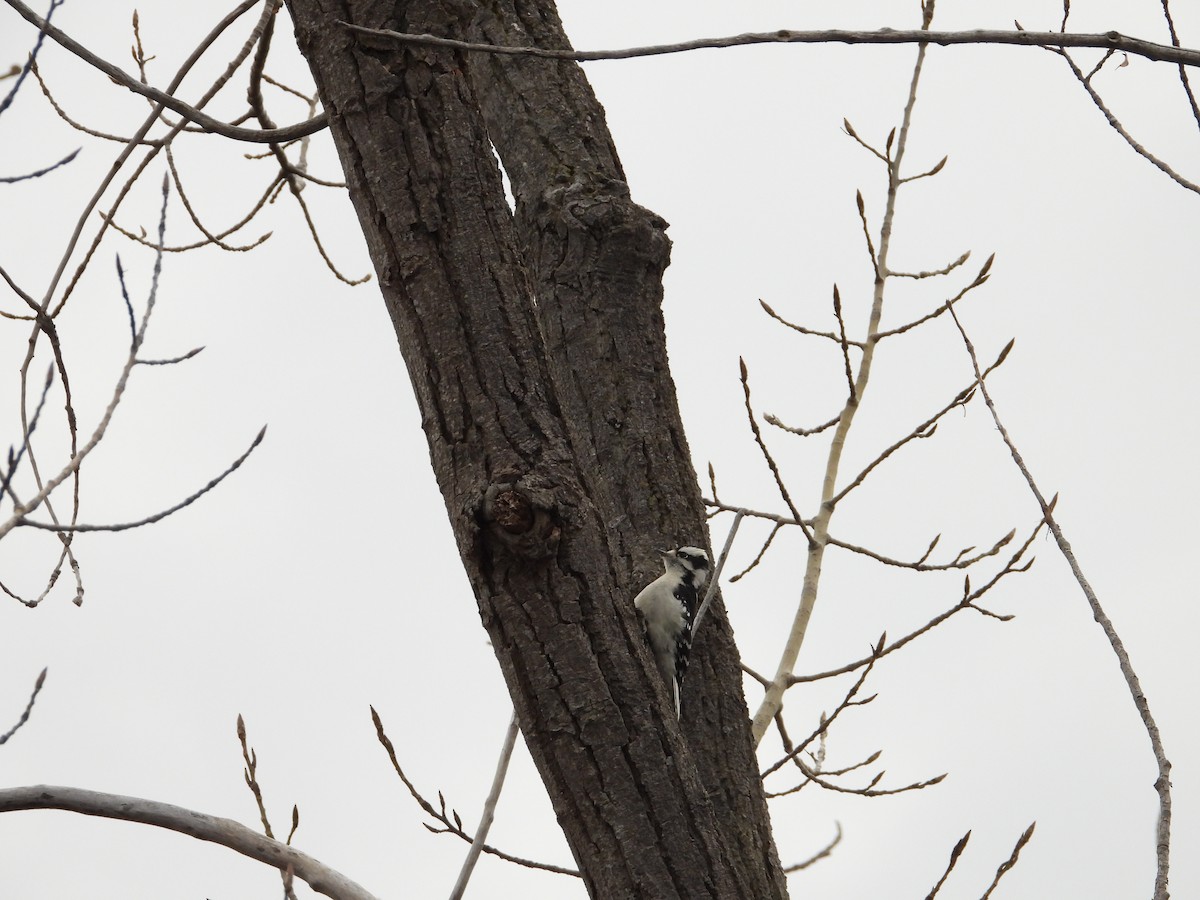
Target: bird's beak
{"points": [[666, 554]]}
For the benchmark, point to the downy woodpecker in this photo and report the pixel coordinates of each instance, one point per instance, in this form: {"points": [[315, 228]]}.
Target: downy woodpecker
{"points": [[668, 607]]}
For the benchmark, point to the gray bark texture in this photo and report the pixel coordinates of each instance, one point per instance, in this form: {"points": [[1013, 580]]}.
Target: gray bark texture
{"points": [[536, 350]]}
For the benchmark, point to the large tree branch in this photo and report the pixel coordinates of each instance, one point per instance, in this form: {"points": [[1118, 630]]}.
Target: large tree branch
{"points": [[225, 832]]}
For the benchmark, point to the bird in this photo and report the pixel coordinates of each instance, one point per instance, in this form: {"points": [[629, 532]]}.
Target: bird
{"points": [[668, 607]]}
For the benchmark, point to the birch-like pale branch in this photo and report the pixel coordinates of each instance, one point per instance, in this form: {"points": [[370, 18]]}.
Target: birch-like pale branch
{"points": [[1108, 40], [226, 832]]}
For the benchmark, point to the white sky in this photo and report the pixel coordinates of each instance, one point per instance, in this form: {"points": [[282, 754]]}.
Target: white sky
{"points": [[322, 578]]}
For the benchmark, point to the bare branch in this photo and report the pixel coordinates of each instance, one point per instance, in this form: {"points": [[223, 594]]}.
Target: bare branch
{"points": [[715, 578], [819, 855], [1162, 784], [1011, 861], [165, 98], [962, 561], [78, 126], [12, 179], [826, 721], [259, 204], [1108, 40], [954, 856], [1141, 151], [758, 438], [923, 430], [37, 689], [761, 553], [870, 790], [159, 516], [250, 774], [828, 335], [1011, 567], [845, 344], [800, 432], [1183, 76], [928, 173], [489, 810], [945, 270], [866, 228], [225, 832], [77, 458], [24, 71], [980, 278], [449, 825], [849, 129]]}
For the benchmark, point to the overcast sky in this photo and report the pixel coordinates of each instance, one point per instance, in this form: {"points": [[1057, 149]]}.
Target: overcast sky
{"points": [[322, 577]]}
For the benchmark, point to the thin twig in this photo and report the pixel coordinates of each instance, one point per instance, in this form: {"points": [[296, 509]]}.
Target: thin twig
{"points": [[449, 821], [819, 855], [159, 516], [1007, 865], [845, 344], [761, 553], [165, 98], [1012, 567], [762, 446], [13, 179], [37, 689], [715, 577], [1183, 76], [1162, 784], [980, 278], [250, 774], [846, 702], [828, 335], [924, 429], [1113, 121], [933, 273], [30, 62], [118, 393], [955, 853]]}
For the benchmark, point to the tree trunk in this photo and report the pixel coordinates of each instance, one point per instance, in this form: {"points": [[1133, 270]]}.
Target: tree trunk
{"points": [[552, 428]]}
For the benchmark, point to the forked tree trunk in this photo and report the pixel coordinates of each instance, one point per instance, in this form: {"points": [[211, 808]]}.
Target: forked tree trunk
{"points": [[537, 355]]}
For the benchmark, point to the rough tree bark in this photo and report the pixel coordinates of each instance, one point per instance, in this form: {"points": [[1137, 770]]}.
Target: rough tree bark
{"points": [[552, 425]]}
